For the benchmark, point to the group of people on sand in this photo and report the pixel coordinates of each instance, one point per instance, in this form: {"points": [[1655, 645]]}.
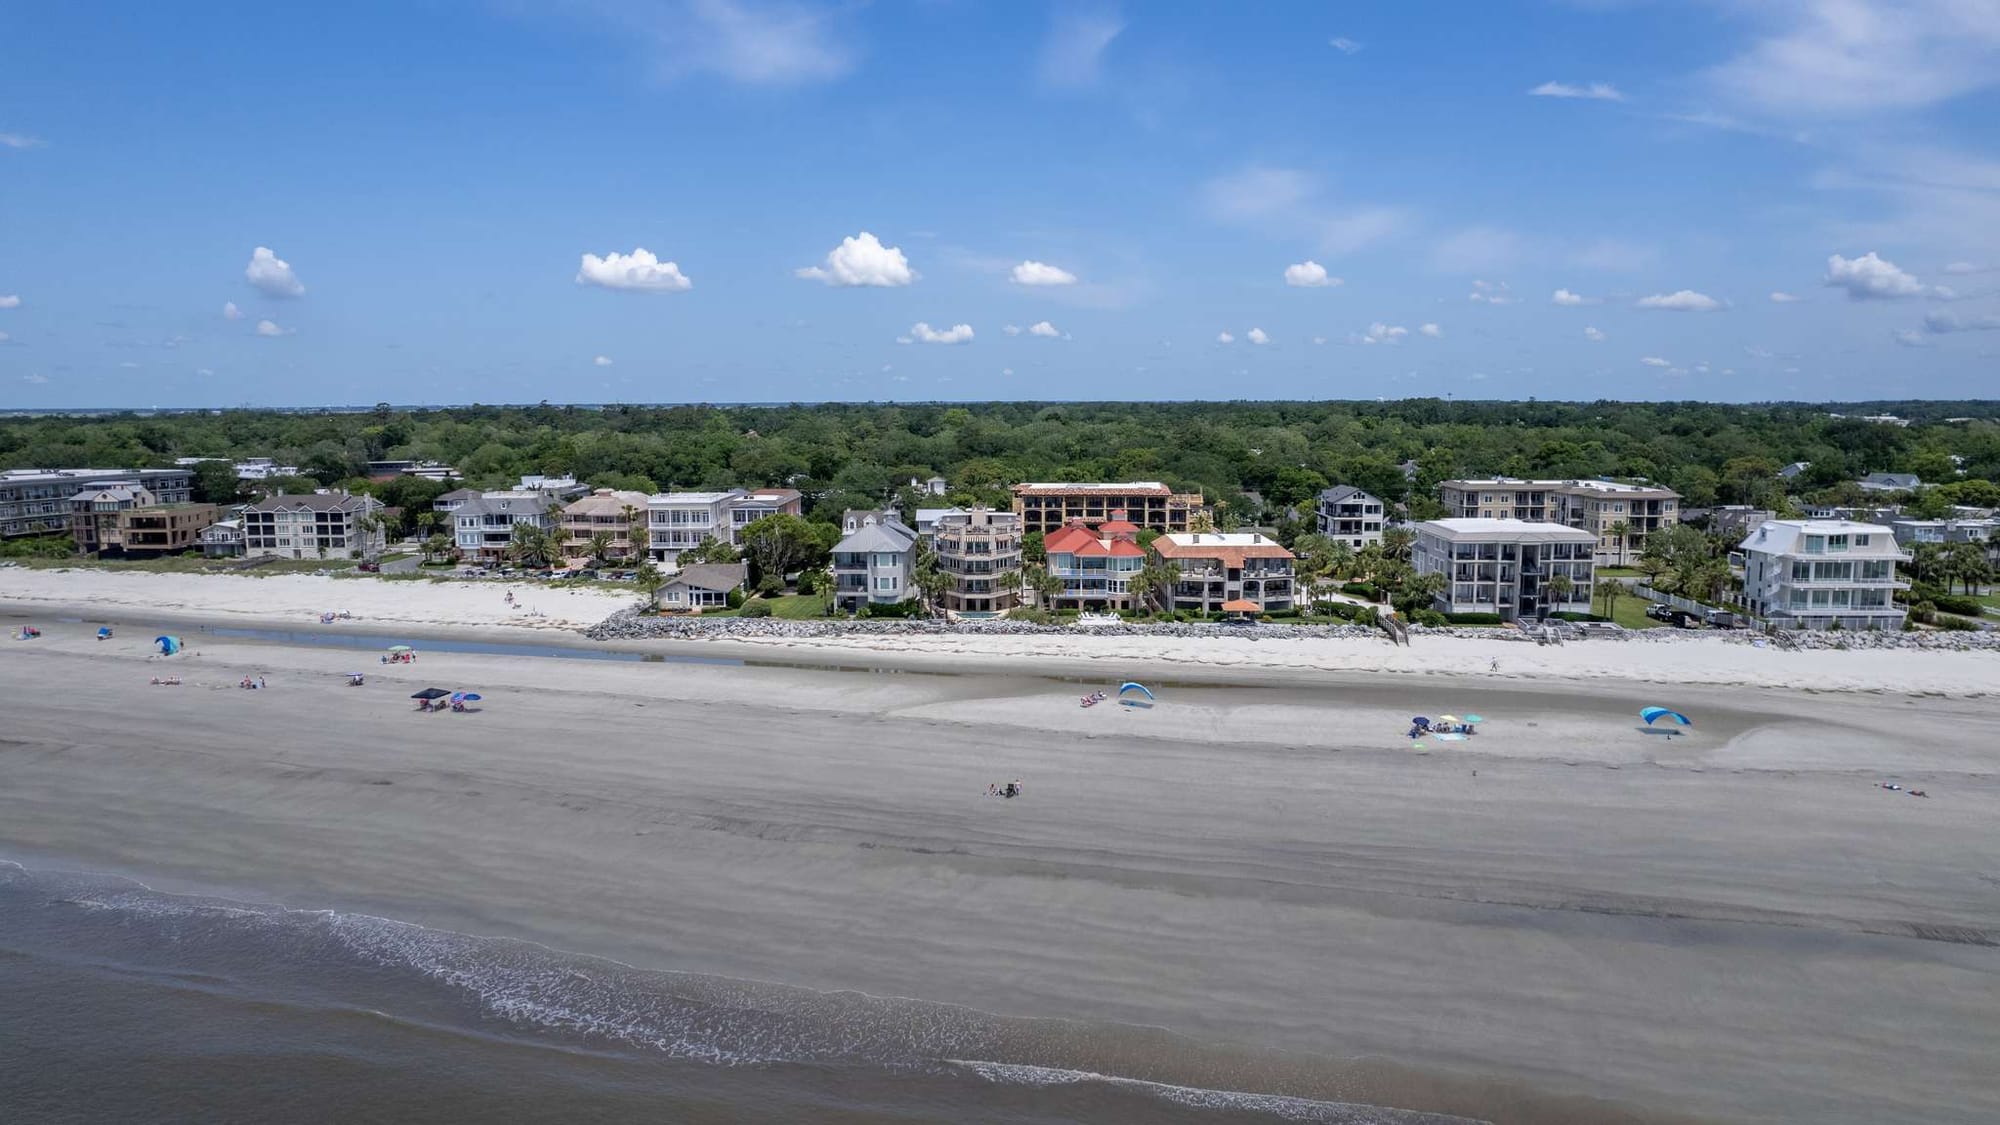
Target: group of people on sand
{"points": [[167, 681], [252, 683], [1894, 788], [1010, 790]]}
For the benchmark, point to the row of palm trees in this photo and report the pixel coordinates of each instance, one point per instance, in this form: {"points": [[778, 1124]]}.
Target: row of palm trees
{"points": [[1949, 563]]}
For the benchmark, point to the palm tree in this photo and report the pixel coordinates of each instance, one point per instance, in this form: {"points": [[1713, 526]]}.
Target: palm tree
{"points": [[1155, 582], [436, 547], [1619, 531], [1396, 543], [635, 528], [1045, 587], [426, 522], [650, 580], [600, 546], [1562, 586], [1340, 560], [1924, 560]]}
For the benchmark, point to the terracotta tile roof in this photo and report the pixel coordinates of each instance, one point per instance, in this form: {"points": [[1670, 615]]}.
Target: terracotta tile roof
{"points": [[1125, 549], [1240, 605], [1230, 550]]}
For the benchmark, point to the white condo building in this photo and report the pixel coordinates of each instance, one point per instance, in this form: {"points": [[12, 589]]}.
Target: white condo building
{"points": [[1815, 574], [1505, 566]]}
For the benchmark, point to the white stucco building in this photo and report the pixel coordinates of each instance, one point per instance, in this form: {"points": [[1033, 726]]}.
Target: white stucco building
{"points": [[1814, 574], [1506, 566]]}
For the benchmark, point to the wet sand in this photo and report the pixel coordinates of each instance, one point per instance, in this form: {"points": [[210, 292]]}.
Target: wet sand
{"points": [[1737, 924]]}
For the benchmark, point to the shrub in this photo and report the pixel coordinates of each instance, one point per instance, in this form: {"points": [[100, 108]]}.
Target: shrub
{"points": [[1956, 625], [809, 582], [1567, 616], [1472, 618], [771, 586], [756, 609], [736, 599], [1360, 590], [1366, 615], [1030, 614], [1429, 617], [1948, 603], [895, 609]]}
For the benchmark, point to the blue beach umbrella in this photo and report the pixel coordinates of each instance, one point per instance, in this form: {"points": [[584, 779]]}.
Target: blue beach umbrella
{"points": [[1651, 713], [168, 645], [1140, 688]]}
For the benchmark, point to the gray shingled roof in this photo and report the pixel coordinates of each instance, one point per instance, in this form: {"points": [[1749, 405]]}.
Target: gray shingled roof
{"points": [[712, 576]]}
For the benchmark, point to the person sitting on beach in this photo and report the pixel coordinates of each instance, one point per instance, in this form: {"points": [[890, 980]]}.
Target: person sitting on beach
{"points": [[1013, 789]]}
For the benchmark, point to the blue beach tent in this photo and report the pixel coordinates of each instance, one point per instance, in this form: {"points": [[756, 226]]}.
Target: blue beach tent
{"points": [[168, 645], [1651, 713]]}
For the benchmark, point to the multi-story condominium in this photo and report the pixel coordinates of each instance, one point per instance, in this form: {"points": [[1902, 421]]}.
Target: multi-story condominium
{"points": [[608, 512], [1816, 574], [874, 562], [37, 501], [126, 520], [927, 519], [1596, 506], [678, 521], [1095, 566], [562, 489], [483, 525], [1045, 507], [1507, 566], [1349, 515], [980, 552], [314, 525], [1909, 533], [1221, 572], [1734, 521]]}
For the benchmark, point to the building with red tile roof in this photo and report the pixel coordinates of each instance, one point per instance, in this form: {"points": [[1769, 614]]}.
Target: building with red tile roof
{"points": [[1095, 565], [1217, 569]]}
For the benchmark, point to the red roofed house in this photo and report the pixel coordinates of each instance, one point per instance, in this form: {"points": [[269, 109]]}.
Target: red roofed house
{"points": [[1219, 570], [1096, 566]]}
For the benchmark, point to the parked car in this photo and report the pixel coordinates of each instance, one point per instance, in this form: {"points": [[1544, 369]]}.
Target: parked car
{"points": [[1659, 611], [369, 566]]}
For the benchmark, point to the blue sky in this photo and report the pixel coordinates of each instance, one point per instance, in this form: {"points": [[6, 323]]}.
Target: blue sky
{"points": [[860, 200]]}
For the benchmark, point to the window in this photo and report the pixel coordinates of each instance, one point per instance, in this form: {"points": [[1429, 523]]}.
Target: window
{"points": [[1861, 540], [1836, 542], [885, 584]]}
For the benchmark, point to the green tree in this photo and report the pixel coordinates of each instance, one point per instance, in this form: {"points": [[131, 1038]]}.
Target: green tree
{"points": [[650, 578], [778, 545], [1619, 531], [1561, 586], [600, 546], [710, 550], [215, 482], [1044, 586], [436, 547]]}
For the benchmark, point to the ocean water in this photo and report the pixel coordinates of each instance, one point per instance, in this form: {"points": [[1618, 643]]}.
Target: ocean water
{"points": [[122, 1004]]}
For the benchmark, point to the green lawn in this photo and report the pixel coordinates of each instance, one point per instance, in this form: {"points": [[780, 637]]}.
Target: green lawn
{"points": [[1619, 572], [1629, 612], [798, 607], [192, 564], [1991, 602]]}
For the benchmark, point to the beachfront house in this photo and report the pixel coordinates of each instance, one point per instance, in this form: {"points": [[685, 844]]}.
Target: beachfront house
{"points": [[1351, 516], [560, 489], [605, 512], [979, 552], [482, 524], [703, 586], [1235, 572], [1822, 574], [1050, 505], [927, 519], [222, 539], [874, 562], [1507, 567], [677, 522], [129, 522], [1095, 565], [312, 525], [1890, 482]]}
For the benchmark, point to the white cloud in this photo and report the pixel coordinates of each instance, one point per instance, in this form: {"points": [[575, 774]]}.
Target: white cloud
{"points": [[1309, 275], [272, 275], [1073, 53], [638, 272], [270, 328], [204, 370], [1012, 330], [1006, 371], [128, 365], [10, 301], [1910, 338], [1655, 361], [1319, 339], [956, 334], [1045, 330], [1257, 336], [1855, 57], [1491, 293], [19, 140], [4, 337], [1224, 338], [1481, 249], [1380, 333], [1041, 273], [1942, 321], [755, 42], [1684, 300], [230, 311], [1594, 91], [602, 361], [1593, 335], [1285, 201], [1571, 300], [1431, 330], [1872, 278], [1780, 297], [1963, 268], [36, 378], [1343, 44], [862, 261]]}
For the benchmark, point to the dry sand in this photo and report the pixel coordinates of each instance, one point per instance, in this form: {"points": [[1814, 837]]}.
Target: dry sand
{"points": [[1739, 923]]}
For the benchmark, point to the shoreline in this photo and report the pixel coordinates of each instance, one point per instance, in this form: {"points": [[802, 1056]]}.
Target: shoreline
{"points": [[1261, 862]]}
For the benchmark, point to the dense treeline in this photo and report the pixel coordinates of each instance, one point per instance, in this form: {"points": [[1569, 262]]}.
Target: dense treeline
{"points": [[1283, 452]]}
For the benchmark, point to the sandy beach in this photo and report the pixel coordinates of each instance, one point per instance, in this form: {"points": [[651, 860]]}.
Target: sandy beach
{"points": [[1566, 917]]}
